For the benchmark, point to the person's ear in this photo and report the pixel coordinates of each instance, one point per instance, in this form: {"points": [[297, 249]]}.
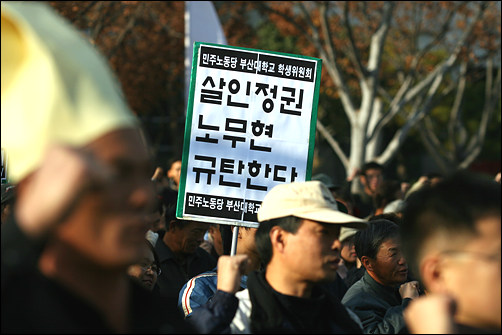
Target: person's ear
{"points": [[278, 238], [367, 263], [432, 274]]}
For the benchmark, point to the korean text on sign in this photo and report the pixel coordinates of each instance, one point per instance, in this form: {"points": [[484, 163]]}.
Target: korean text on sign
{"points": [[250, 123]]}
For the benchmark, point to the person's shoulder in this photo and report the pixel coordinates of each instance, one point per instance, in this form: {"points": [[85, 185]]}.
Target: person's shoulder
{"points": [[207, 278], [355, 291], [204, 277]]}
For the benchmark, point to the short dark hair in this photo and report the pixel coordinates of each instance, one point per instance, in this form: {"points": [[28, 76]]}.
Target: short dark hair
{"points": [[391, 216], [262, 237], [178, 223], [171, 161], [348, 241], [368, 240], [369, 166], [170, 217], [452, 206]]}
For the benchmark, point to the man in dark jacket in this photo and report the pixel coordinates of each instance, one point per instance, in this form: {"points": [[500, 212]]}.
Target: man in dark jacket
{"points": [[381, 295], [181, 256]]}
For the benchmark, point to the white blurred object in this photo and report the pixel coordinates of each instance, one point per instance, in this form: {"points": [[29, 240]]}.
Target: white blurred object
{"points": [[395, 206], [152, 237]]}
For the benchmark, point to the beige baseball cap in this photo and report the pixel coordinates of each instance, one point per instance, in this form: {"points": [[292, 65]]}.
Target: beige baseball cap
{"points": [[56, 87], [310, 200], [347, 232]]}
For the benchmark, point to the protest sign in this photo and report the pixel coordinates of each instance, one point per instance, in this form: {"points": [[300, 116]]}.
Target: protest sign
{"points": [[250, 125]]}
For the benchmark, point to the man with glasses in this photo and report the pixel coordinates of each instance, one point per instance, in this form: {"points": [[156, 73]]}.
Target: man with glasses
{"points": [[451, 234], [147, 270]]}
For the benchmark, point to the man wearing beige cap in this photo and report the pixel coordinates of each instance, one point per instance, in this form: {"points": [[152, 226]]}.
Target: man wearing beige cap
{"points": [[298, 243], [82, 172]]}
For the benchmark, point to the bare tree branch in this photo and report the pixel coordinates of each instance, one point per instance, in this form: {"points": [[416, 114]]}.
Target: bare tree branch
{"points": [[406, 95], [354, 53], [333, 143], [127, 29]]}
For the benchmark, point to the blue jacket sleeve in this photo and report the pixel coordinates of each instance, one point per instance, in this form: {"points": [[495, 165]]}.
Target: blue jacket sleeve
{"points": [[216, 316], [197, 292]]}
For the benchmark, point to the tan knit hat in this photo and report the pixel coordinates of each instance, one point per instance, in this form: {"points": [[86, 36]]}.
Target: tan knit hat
{"points": [[310, 200]]}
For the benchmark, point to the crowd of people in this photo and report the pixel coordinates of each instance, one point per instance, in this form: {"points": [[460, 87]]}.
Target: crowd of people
{"points": [[91, 242]]}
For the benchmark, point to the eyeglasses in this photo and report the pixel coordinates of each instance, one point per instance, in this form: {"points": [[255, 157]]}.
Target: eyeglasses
{"points": [[494, 257], [153, 267]]}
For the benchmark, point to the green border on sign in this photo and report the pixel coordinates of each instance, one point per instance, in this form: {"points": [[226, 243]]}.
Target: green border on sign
{"points": [[188, 132], [313, 121], [190, 103]]}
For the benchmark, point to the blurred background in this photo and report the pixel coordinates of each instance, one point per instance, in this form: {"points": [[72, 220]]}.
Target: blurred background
{"points": [[414, 86]]}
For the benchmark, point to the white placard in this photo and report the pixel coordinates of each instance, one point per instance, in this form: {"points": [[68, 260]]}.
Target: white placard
{"points": [[250, 125]]}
